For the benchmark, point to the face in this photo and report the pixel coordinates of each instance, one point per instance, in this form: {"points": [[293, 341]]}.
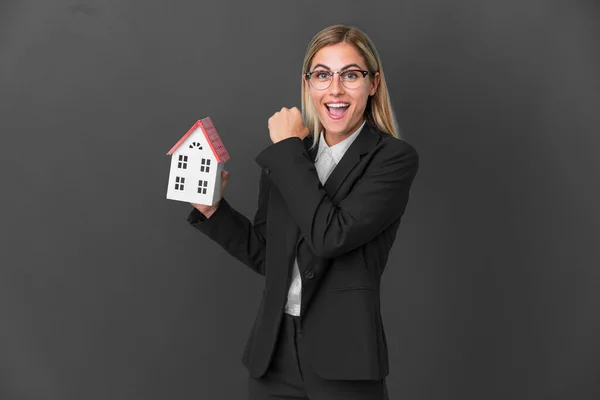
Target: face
{"points": [[339, 57]]}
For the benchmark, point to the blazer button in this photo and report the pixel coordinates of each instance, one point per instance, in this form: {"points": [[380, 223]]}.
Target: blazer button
{"points": [[268, 170], [309, 274]]}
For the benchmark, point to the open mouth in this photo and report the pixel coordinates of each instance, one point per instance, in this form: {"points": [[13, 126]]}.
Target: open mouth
{"points": [[337, 110]]}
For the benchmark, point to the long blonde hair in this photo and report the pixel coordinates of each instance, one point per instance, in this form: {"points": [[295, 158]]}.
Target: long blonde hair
{"points": [[379, 112]]}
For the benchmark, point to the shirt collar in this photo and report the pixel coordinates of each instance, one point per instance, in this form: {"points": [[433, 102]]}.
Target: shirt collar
{"points": [[338, 149]]}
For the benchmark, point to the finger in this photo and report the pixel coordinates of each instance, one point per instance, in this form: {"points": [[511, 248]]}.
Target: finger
{"points": [[225, 179]]}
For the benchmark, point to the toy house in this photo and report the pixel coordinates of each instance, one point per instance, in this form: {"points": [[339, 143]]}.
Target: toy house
{"points": [[197, 160]]}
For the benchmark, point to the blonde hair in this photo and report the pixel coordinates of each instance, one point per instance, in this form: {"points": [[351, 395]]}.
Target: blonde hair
{"points": [[378, 112]]}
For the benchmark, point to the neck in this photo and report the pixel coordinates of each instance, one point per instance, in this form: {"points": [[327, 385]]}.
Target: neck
{"points": [[332, 140]]}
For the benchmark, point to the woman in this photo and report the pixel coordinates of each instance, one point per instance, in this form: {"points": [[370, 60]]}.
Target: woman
{"points": [[332, 193]]}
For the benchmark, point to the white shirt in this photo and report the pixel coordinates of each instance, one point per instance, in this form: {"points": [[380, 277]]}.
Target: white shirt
{"points": [[325, 166]]}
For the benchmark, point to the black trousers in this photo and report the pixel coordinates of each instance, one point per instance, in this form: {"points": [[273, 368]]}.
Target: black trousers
{"points": [[288, 376]]}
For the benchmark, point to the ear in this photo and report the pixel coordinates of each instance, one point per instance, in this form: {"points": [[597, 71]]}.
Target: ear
{"points": [[375, 84], [306, 84]]}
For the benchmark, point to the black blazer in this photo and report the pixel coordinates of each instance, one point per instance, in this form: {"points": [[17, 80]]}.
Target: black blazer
{"points": [[342, 231]]}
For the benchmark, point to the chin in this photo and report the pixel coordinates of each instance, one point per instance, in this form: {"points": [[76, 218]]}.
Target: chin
{"points": [[337, 132], [335, 127], [339, 128]]}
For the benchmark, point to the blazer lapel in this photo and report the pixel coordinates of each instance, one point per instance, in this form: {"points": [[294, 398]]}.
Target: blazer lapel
{"points": [[364, 143]]}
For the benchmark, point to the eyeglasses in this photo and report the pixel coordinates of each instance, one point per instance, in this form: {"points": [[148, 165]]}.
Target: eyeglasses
{"points": [[351, 78]]}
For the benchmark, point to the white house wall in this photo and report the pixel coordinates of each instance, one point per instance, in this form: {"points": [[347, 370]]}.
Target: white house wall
{"points": [[193, 174]]}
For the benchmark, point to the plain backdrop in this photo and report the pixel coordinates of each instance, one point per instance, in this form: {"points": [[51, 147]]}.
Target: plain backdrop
{"points": [[492, 287]]}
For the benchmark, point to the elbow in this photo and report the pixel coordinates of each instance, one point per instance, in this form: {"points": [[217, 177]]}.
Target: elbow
{"points": [[260, 268], [257, 266], [257, 261]]}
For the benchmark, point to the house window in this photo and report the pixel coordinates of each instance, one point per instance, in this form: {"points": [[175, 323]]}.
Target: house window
{"points": [[182, 164], [196, 144], [202, 186], [205, 165], [179, 181]]}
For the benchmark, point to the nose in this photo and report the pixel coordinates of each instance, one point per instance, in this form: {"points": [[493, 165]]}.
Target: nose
{"points": [[336, 86]]}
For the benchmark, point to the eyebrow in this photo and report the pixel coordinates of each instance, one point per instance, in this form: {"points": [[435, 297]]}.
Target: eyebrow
{"points": [[343, 68]]}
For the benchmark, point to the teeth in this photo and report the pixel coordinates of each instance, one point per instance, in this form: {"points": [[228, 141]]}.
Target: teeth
{"points": [[338, 105]]}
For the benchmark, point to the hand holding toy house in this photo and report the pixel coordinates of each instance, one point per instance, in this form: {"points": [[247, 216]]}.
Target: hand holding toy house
{"points": [[196, 164]]}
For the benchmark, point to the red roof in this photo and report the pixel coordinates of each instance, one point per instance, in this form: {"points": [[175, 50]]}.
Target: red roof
{"points": [[212, 137]]}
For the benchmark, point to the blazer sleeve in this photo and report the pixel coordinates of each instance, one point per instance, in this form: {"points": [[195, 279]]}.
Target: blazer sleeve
{"points": [[244, 240], [377, 199]]}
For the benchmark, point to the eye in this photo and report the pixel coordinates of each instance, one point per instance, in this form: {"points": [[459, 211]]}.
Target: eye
{"points": [[350, 75], [321, 75]]}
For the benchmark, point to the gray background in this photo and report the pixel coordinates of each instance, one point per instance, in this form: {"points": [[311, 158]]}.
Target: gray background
{"points": [[491, 290]]}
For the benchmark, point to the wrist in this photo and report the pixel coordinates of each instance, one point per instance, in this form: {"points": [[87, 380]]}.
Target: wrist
{"points": [[208, 213]]}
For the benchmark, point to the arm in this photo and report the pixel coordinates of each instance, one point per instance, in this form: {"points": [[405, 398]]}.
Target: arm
{"points": [[235, 233], [377, 199]]}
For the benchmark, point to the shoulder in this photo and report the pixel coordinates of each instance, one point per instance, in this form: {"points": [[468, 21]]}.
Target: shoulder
{"points": [[391, 146]]}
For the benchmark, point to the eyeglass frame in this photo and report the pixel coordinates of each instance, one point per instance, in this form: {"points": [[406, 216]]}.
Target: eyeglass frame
{"points": [[332, 73]]}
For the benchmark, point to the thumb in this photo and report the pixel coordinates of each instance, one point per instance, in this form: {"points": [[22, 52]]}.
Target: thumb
{"points": [[224, 179]]}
